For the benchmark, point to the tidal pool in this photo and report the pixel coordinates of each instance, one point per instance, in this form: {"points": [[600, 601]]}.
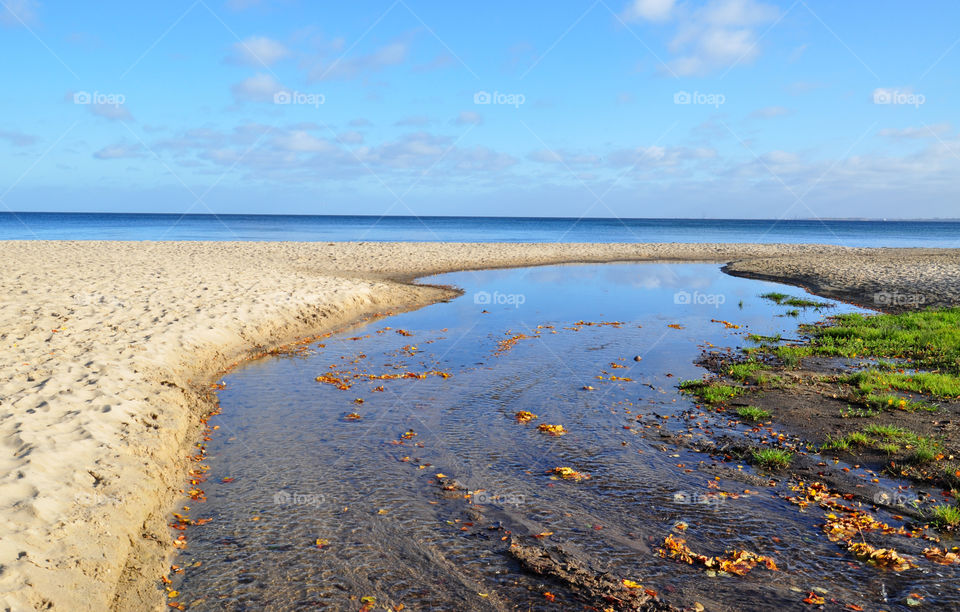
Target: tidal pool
{"points": [[325, 494]]}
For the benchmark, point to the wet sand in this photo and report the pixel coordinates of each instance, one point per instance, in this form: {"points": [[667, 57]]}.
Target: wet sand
{"points": [[111, 346]]}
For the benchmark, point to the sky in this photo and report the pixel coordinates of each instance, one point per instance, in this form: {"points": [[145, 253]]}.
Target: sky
{"points": [[595, 108]]}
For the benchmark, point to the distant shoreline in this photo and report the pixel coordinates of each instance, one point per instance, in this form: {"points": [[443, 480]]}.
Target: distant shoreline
{"points": [[112, 346]]}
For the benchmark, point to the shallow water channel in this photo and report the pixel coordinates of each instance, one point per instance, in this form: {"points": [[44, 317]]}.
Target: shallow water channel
{"points": [[313, 508]]}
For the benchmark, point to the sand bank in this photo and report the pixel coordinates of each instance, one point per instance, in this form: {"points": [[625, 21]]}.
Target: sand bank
{"points": [[109, 346]]}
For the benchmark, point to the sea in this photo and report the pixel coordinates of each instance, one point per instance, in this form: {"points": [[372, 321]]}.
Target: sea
{"points": [[127, 226]]}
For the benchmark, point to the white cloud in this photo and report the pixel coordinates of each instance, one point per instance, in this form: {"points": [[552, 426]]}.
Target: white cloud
{"points": [[416, 121], [18, 12], [468, 118], [936, 130], [300, 141], [350, 137], [17, 139], [110, 111], [120, 151], [641, 157], [392, 54], [258, 51], [715, 36], [564, 158], [651, 10], [258, 88], [769, 112]]}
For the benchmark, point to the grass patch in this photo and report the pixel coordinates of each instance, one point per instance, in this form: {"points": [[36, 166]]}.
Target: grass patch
{"points": [[775, 297], [752, 413], [838, 444], [931, 338], [792, 356], [792, 313], [746, 370], [890, 432], [759, 339], [805, 303], [925, 452], [859, 438], [772, 458], [944, 515], [710, 392], [930, 383], [772, 380]]}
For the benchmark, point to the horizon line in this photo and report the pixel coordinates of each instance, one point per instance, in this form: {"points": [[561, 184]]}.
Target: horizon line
{"points": [[559, 218]]}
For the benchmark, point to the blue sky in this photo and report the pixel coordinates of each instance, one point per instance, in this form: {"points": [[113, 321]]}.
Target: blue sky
{"points": [[629, 108]]}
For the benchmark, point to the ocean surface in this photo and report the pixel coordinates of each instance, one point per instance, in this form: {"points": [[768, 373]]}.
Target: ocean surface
{"points": [[123, 226]]}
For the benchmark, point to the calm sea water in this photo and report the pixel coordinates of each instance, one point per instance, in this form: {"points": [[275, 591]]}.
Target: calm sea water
{"points": [[118, 226]]}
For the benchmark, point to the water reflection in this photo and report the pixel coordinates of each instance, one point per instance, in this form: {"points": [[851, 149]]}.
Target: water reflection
{"points": [[355, 487]]}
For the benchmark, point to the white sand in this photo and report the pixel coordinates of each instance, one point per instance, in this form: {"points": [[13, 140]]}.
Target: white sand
{"points": [[108, 347]]}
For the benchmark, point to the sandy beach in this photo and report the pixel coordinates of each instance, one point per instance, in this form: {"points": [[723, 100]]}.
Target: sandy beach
{"points": [[109, 348]]}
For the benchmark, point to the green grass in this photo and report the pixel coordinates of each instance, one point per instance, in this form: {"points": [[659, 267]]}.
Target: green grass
{"points": [[805, 303], [710, 392], [931, 338], [752, 413], [774, 296], [926, 451], [792, 356], [887, 401], [839, 444], [945, 515], [887, 439], [773, 380], [759, 339], [792, 313], [887, 431], [930, 383], [746, 370], [772, 458]]}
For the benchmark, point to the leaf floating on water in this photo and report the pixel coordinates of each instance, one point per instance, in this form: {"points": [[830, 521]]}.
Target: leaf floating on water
{"points": [[553, 430], [409, 434], [880, 557], [322, 543], [568, 473], [943, 557], [675, 326], [814, 600], [630, 584], [524, 416], [737, 562], [588, 388], [726, 324], [353, 416]]}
